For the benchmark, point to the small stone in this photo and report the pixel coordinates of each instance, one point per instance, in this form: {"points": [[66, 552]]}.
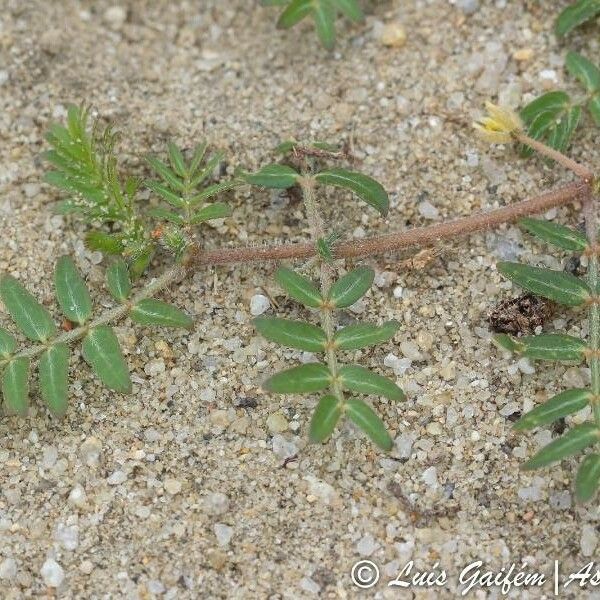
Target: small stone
{"points": [[469, 7], [309, 585], [49, 456], [531, 493], [429, 476], [259, 304], [220, 418], [434, 428], [399, 365], [117, 478], [403, 445], [173, 486], [367, 545], [52, 573], [77, 496], [393, 35], [277, 423], [216, 503], [86, 567], [410, 350], [561, 500], [523, 54], [8, 568], [115, 17], [156, 587], [398, 291], [589, 539], [284, 448], [89, 451], [67, 536], [427, 210], [224, 533], [143, 512], [525, 366]]}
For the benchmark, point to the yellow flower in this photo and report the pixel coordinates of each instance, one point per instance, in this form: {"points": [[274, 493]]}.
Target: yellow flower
{"points": [[500, 125]]}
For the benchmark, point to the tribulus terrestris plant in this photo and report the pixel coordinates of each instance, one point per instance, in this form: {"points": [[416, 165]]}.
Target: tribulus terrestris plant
{"points": [[564, 289], [328, 295], [323, 12]]}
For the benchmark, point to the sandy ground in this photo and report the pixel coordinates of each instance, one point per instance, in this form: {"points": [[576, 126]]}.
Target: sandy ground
{"points": [[178, 490]]}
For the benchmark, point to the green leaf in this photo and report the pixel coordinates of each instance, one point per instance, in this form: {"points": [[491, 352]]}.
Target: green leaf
{"points": [[15, 386], [102, 351], [361, 335], [594, 107], [218, 210], [351, 287], [199, 152], [294, 13], [361, 380], [559, 406], [324, 16], [364, 416], [308, 378], [71, 292], [167, 174], [273, 176], [210, 166], [576, 439], [8, 344], [292, 334], [156, 312], [365, 187], [176, 159], [300, 288], [214, 190], [551, 346], [140, 262], [104, 242], [164, 214], [30, 316], [118, 280], [324, 249], [505, 342], [324, 419], [351, 9], [576, 14], [588, 478], [166, 194], [553, 233], [584, 70], [558, 286], [54, 378], [552, 118]]}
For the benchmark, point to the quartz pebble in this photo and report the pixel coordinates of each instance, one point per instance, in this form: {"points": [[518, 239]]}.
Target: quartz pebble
{"points": [[224, 533], [589, 539], [77, 496], [430, 477], [259, 304], [115, 17], [52, 573], [284, 448], [428, 210], [216, 503], [172, 486], [8, 568], [277, 423], [393, 35], [117, 478], [367, 545]]}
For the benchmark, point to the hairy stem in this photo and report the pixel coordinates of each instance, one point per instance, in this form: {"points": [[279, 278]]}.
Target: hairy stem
{"points": [[593, 279], [113, 315], [317, 231], [413, 238]]}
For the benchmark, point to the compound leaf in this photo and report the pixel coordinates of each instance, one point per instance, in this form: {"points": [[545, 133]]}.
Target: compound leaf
{"points": [[218, 210], [559, 406], [574, 15], [300, 288], [176, 159], [54, 378], [15, 386], [362, 415], [361, 380], [351, 9], [30, 317], [324, 16], [588, 478], [71, 292], [584, 70], [576, 439], [351, 287], [156, 312], [307, 378], [294, 13], [167, 175], [551, 346], [358, 336], [102, 351], [324, 419], [558, 286], [365, 187], [293, 334]]}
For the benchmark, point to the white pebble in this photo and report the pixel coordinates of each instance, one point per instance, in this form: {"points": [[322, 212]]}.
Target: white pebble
{"points": [[403, 445], [410, 350], [429, 476], [8, 568], [525, 366], [259, 304], [398, 291], [117, 478], [427, 210], [589, 539], [77, 496], [67, 536], [224, 533], [49, 456], [277, 423], [173, 486], [216, 503], [284, 448], [115, 17], [52, 573], [367, 545]]}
